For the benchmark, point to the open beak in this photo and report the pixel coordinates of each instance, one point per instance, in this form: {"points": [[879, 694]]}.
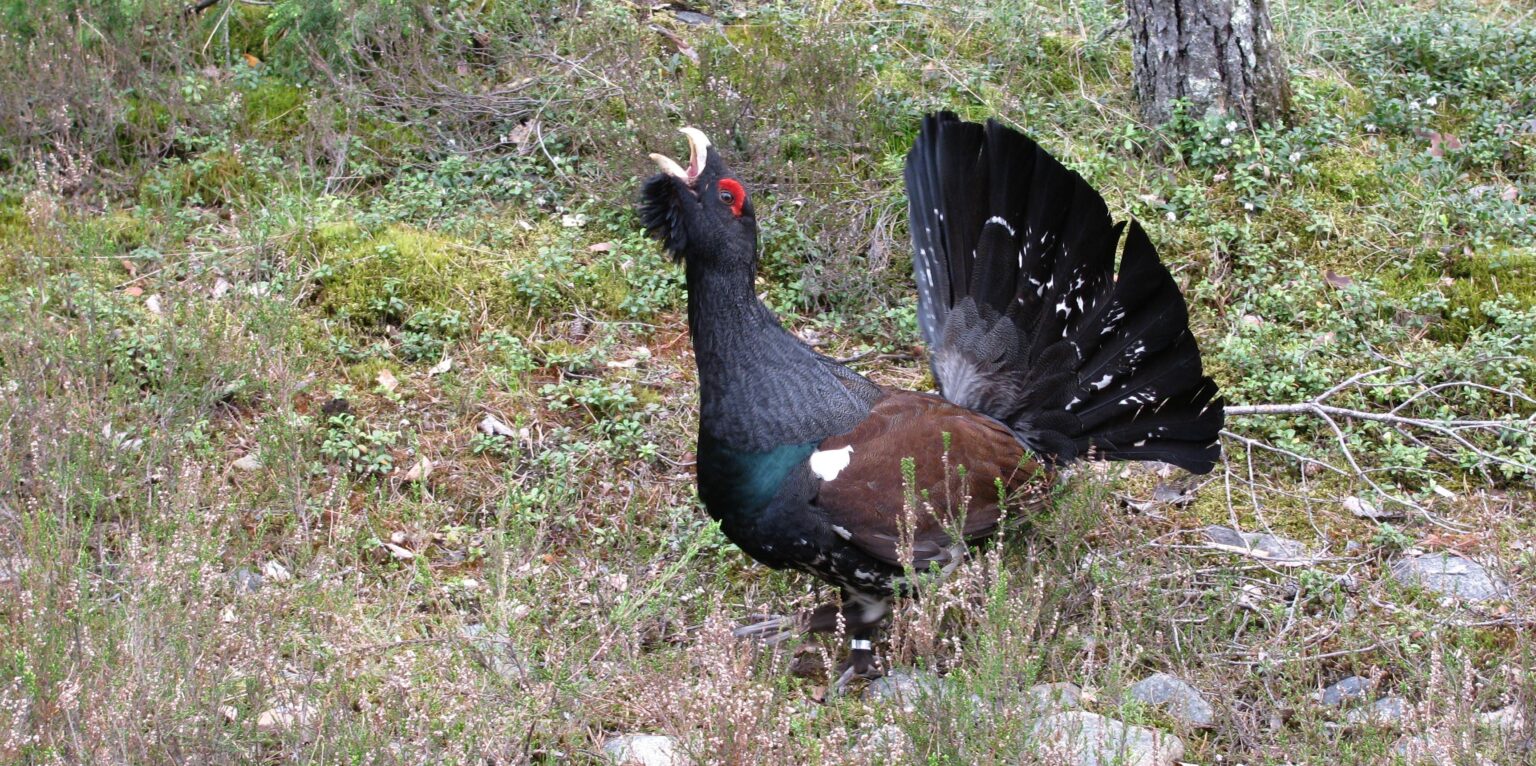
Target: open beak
{"points": [[698, 151]]}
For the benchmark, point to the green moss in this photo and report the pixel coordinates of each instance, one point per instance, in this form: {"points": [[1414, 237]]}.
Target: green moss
{"points": [[1469, 281], [1348, 175], [387, 276], [16, 237], [275, 111], [217, 178]]}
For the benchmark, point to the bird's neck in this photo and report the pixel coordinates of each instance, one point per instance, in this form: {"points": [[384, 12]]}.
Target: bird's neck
{"points": [[760, 388], [728, 324]]}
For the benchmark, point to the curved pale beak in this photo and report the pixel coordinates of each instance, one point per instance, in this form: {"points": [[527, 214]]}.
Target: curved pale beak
{"points": [[698, 151]]}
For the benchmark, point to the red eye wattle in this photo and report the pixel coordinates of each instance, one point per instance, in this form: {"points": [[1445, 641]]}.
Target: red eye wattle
{"points": [[732, 194]]}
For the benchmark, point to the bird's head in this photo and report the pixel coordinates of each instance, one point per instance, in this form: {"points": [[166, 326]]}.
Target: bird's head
{"points": [[701, 212]]}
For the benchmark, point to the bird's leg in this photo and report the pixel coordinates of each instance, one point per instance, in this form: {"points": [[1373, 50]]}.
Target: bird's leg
{"points": [[828, 618], [861, 661]]}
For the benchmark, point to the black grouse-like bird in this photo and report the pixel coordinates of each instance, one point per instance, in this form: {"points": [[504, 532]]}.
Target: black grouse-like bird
{"points": [[1043, 355]]}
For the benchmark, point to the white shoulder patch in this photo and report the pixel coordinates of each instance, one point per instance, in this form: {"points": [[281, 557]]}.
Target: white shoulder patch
{"points": [[829, 463]]}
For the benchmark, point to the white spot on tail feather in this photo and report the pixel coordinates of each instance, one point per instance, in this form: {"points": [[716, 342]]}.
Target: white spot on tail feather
{"points": [[999, 221], [829, 463]]}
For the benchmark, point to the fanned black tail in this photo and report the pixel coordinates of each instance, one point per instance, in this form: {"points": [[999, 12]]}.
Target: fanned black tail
{"points": [[1018, 300]]}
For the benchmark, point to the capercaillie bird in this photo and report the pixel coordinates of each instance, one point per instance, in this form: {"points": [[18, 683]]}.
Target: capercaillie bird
{"points": [[1044, 352]]}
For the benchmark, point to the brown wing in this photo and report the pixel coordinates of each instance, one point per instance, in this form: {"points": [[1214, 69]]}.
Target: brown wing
{"points": [[867, 499]]}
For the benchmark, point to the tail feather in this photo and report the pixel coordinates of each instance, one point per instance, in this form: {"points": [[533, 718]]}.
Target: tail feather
{"points": [[1028, 322]]}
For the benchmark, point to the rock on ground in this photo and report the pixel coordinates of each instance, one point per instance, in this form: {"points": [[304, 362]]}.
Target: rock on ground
{"points": [[494, 651], [1051, 698], [1387, 711], [888, 744], [1279, 550], [243, 580], [1176, 698], [644, 750], [1449, 575], [1089, 739], [903, 687], [1344, 690]]}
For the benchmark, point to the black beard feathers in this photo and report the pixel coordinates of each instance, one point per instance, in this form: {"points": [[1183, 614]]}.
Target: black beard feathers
{"points": [[659, 214]]}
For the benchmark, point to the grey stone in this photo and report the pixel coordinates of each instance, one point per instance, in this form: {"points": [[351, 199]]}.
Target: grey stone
{"points": [[1412, 749], [494, 651], [1259, 545], [694, 18], [1051, 698], [1176, 698], [1387, 711], [1164, 493], [1089, 739], [644, 750], [889, 743], [246, 581], [1343, 690], [1509, 720], [903, 688], [1449, 575]]}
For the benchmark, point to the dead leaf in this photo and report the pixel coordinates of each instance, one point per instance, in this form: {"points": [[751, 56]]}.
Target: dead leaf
{"points": [[249, 463], [521, 133], [397, 553], [420, 471], [133, 291], [252, 61], [492, 425], [221, 286], [153, 304], [285, 716], [1337, 280], [275, 571], [387, 381], [130, 267], [1440, 143], [600, 247], [1365, 509], [441, 367], [1510, 194]]}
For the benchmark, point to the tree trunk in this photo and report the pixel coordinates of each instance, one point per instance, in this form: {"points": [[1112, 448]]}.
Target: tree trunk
{"points": [[1216, 54]]}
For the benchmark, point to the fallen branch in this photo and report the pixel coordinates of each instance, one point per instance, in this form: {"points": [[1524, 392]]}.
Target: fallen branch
{"points": [[1449, 427], [1417, 430]]}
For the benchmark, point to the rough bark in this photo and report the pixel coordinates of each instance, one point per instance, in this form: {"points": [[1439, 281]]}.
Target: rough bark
{"points": [[1216, 54]]}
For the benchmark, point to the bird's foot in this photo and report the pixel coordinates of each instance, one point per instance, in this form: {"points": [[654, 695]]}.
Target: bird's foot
{"points": [[861, 663]]}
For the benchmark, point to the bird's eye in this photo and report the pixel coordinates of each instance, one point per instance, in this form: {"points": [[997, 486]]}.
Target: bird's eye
{"points": [[733, 196]]}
